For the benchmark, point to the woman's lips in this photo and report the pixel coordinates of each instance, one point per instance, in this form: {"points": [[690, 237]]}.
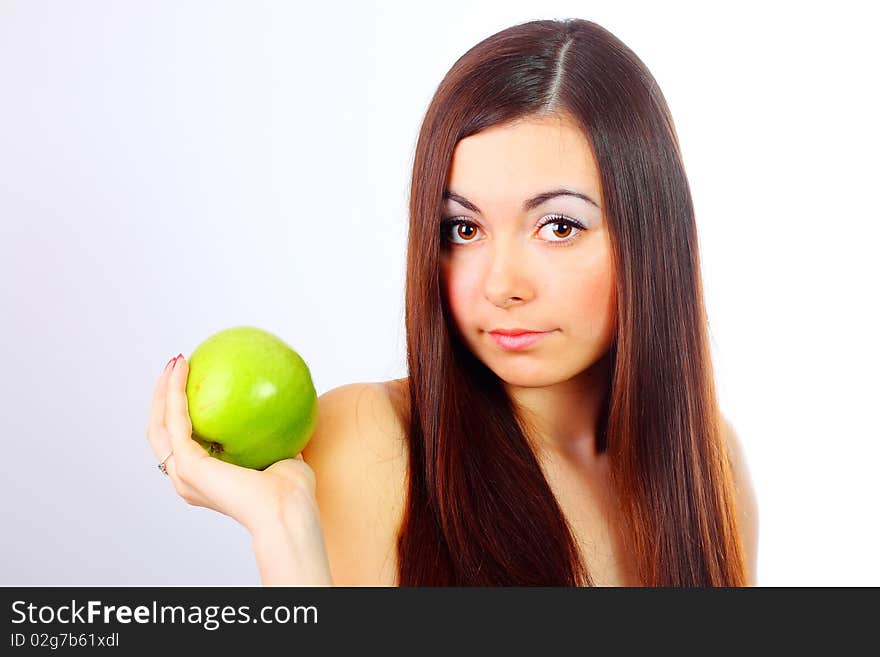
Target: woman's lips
{"points": [[518, 342]]}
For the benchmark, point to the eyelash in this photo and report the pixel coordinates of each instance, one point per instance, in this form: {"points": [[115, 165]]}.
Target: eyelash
{"points": [[450, 222]]}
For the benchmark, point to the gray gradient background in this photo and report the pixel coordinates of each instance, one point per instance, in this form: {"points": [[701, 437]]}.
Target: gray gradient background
{"points": [[170, 169]]}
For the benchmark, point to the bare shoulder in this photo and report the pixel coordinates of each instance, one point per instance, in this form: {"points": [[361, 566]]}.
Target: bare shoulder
{"points": [[358, 453], [746, 500]]}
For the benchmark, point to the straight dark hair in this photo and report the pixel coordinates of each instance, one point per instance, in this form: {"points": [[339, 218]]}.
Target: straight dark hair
{"points": [[479, 510]]}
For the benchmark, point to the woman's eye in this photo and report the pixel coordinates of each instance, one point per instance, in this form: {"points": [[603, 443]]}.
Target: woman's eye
{"points": [[458, 228], [562, 227], [457, 231]]}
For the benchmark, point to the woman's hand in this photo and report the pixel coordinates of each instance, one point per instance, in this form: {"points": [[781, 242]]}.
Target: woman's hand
{"points": [[258, 500]]}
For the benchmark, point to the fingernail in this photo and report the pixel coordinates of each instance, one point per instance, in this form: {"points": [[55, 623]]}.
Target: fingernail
{"points": [[176, 358], [168, 364]]}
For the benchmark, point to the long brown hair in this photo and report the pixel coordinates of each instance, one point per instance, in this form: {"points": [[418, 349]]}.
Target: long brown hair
{"points": [[479, 510]]}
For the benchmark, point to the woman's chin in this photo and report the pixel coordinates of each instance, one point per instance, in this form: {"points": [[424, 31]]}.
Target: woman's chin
{"points": [[528, 375]]}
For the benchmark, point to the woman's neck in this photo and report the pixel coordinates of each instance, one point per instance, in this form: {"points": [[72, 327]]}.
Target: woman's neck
{"points": [[563, 419]]}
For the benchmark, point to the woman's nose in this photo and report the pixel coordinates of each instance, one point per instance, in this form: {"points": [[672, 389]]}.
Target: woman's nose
{"points": [[506, 281]]}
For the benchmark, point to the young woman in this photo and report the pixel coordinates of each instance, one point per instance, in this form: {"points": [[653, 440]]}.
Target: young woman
{"points": [[559, 424]]}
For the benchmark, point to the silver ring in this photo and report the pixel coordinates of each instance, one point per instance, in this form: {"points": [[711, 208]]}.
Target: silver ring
{"points": [[162, 463]]}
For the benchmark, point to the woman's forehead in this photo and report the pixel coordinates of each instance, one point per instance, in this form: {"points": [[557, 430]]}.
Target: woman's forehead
{"points": [[515, 160]]}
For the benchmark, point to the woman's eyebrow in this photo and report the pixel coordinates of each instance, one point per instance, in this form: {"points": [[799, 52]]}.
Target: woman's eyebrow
{"points": [[528, 204]]}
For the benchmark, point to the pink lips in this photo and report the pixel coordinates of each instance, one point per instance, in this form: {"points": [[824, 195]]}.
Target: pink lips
{"points": [[517, 340]]}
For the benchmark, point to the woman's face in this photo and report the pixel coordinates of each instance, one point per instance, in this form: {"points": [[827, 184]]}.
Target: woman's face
{"points": [[511, 265]]}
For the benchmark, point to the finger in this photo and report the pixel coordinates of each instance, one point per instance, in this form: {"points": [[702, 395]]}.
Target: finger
{"points": [[171, 470], [183, 489], [218, 485], [177, 420], [157, 438], [198, 477]]}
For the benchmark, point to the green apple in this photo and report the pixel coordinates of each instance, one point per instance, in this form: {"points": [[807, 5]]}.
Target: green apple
{"points": [[251, 398]]}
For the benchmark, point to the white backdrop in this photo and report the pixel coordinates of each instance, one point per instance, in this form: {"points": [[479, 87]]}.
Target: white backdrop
{"points": [[168, 169]]}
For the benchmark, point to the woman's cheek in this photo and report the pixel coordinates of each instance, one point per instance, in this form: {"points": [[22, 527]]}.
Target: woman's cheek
{"points": [[597, 312], [458, 295]]}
